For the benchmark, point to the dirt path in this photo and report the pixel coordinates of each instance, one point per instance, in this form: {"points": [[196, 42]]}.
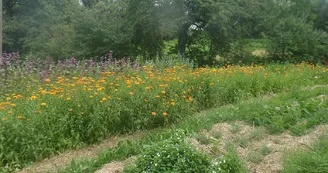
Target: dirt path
{"points": [[61, 160], [277, 144], [117, 166]]}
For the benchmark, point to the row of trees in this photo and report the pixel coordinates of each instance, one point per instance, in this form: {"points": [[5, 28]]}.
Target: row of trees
{"points": [[202, 29]]}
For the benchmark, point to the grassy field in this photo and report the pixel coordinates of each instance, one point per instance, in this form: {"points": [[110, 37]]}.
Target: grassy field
{"points": [[41, 118]]}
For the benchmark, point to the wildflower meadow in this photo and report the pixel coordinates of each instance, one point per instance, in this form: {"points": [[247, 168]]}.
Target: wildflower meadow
{"points": [[49, 107]]}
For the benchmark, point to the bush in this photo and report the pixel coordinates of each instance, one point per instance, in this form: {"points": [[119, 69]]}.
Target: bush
{"points": [[294, 40], [174, 155]]}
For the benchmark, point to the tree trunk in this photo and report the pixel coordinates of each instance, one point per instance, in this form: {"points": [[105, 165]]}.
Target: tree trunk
{"points": [[182, 39]]}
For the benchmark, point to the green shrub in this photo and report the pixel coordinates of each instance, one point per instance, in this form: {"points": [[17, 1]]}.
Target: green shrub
{"points": [[174, 155]]}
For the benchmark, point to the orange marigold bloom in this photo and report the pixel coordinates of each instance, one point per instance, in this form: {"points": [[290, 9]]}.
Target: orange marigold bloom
{"points": [[153, 113]]}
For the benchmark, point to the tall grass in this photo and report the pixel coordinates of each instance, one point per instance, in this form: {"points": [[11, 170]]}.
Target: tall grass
{"points": [[313, 161]]}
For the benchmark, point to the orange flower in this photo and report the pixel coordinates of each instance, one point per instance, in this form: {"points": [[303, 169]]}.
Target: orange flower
{"points": [[153, 113], [131, 93], [164, 114], [68, 99]]}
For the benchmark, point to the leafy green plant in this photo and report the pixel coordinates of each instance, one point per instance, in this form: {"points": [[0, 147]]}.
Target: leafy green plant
{"points": [[174, 155]]}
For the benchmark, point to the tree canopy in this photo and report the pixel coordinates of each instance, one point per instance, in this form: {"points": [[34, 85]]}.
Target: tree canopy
{"points": [[200, 30]]}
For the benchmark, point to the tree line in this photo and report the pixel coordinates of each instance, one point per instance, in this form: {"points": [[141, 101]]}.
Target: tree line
{"points": [[201, 30]]}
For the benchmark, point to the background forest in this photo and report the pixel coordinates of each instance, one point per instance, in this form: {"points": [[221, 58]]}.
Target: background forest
{"points": [[205, 31]]}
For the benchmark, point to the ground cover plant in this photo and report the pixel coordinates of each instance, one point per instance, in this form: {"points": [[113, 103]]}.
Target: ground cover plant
{"points": [[50, 107]]}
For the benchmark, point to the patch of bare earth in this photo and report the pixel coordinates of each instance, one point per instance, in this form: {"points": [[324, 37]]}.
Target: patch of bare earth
{"points": [[54, 163], [278, 144], [259, 52], [116, 166]]}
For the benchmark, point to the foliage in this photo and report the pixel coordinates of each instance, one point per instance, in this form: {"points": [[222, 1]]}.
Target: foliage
{"points": [[291, 37], [203, 30], [174, 155], [297, 115]]}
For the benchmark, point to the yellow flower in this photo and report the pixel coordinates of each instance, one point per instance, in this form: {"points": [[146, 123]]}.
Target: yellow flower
{"points": [[43, 104], [4, 119], [173, 103], [104, 99], [131, 93], [71, 110], [211, 84], [163, 92], [47, 80], [145, 100], [158, 96], [164, 114], [68, 99], [13, 105], [116, 90], [19, 117], [153, 113], [91, 97]]}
